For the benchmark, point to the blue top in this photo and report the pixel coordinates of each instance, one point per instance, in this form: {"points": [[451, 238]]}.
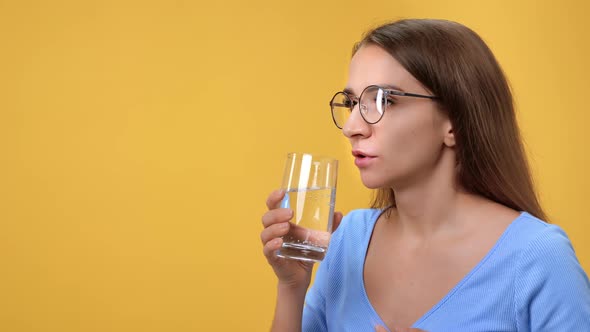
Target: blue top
{"points": [[530, 280]]}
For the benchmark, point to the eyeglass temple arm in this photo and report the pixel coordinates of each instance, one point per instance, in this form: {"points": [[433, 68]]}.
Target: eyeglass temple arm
{"points": [[408, 94], [338, 104]]}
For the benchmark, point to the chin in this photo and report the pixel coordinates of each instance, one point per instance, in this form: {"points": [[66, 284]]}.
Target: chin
{"points": [[373, 182]]}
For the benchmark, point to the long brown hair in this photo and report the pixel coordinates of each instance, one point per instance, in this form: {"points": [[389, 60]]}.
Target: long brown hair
{"points": [[455, 64]]}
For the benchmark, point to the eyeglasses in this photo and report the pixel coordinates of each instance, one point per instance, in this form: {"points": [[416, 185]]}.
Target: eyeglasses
{"points": [[373, 102]]}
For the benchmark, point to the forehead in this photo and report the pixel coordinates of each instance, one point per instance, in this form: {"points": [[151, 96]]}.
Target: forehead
{"points": [[373, 65]]}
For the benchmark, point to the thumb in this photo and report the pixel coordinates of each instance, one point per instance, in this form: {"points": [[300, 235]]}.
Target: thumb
{"points": [[336, 222]]}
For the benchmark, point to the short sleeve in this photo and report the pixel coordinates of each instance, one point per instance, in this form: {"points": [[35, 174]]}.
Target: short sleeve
{"points": [[552, 292]]}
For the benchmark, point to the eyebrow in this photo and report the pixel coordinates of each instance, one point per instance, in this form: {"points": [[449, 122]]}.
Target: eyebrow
{"points": [[387, 86]]}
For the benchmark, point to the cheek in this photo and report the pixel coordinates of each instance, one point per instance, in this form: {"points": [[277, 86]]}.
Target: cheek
{"points": [[411, 142]]}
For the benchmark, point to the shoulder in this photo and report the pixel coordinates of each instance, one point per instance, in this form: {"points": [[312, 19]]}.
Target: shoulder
{"points": [[551, 288], [527, 233], [542, 258], [537, 237], [546, 252], [541, 245]]}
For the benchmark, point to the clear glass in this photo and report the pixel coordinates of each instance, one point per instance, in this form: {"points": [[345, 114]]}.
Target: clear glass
{"points": [[310, 185], [373, 103], [341, 105]]}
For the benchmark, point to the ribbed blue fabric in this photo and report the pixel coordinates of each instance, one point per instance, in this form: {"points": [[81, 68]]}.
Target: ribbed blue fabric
{"points": [[530, 280]]}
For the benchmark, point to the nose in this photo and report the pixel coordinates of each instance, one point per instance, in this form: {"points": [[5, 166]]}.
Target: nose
{"points": [[355, 125]]}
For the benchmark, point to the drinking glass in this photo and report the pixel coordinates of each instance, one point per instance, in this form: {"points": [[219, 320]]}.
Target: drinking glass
{"points": [[310, 185]]}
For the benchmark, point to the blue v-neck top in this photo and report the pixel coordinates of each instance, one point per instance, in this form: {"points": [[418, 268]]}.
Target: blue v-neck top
{"points": [[530, 280]]}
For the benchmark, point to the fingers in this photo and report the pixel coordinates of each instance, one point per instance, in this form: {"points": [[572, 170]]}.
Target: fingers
{"points": [[276, 224], [276, 216], [274, 199], [274, 231], [380, 328], [337, 219], [271, 247]]}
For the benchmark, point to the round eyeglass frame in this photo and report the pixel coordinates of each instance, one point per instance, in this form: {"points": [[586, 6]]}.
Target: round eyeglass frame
{"points": [[354, 101]]}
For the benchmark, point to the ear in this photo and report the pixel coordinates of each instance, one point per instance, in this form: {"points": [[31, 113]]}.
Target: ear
{"points": [[449, 135]]}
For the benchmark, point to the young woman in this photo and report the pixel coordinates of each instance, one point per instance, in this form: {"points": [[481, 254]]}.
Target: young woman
{"points": [[455, 240]]}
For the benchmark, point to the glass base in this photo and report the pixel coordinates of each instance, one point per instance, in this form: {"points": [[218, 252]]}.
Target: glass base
{"points": [[302, 252]]}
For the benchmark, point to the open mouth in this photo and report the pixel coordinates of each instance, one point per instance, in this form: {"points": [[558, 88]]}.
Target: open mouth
{"points": [[361, 155], [361, 159]]}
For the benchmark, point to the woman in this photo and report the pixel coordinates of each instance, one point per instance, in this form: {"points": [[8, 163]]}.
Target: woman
{"points": [[455, 240]]}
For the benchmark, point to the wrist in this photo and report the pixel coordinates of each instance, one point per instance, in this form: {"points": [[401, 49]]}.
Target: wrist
{"points": [[292, 288], [289, 307]]}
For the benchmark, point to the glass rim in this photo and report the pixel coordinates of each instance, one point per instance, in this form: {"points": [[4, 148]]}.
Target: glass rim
{"points": [[314, 156]]}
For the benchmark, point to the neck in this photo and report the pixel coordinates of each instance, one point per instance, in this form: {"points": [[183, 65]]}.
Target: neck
{"points": [[430, 205]]}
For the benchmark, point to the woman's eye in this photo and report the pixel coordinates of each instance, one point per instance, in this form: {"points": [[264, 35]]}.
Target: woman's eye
{"points": [[390, 101]]}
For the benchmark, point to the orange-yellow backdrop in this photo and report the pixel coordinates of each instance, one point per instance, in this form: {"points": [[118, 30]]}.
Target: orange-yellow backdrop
{"points": [[139, 140]]}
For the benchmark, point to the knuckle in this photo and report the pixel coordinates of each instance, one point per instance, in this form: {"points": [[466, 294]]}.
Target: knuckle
{"points": [[272, 199], [267, 250], [265, 236], [262, 238], [267, 219], [264, 219]]}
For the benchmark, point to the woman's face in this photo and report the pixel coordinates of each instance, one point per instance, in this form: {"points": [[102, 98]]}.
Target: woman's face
{"points": [[406, 145]]}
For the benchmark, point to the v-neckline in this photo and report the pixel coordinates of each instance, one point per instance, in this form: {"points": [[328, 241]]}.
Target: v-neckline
{"points": [[445, 298]]}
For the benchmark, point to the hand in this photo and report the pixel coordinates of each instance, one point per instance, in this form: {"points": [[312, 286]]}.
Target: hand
{"points": [[380, 328], [292, 273]]}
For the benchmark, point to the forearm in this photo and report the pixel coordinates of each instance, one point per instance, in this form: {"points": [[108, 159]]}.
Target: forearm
{"points": [[289, 309]]}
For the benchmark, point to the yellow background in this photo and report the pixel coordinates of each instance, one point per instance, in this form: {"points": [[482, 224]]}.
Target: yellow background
{"points": [[139, 140]]}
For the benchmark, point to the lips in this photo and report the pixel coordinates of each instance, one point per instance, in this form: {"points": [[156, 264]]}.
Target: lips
{"points": [[362, 159], [361, 154]]}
